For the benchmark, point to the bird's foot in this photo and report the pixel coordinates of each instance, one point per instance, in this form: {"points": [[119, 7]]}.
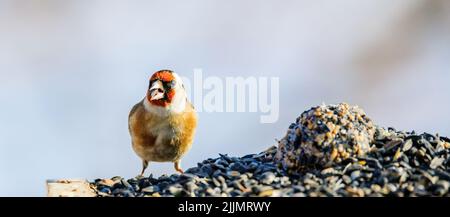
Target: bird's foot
{"points": [[144, 166], [178, 168]]}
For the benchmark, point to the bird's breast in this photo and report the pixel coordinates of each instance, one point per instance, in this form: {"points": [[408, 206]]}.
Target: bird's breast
{"points": [[158, 138]]}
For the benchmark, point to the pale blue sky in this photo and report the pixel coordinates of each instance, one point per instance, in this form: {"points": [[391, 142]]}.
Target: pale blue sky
{"points": [[71, 70]]}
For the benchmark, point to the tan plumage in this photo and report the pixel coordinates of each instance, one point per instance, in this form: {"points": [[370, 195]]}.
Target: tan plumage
{"points": [[163, 131]]}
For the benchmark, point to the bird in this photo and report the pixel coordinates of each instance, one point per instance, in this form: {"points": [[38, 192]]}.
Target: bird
{"points": [[162, 125]]}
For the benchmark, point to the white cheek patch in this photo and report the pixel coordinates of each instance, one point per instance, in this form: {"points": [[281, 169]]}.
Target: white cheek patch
{"points": [[158, 110]]}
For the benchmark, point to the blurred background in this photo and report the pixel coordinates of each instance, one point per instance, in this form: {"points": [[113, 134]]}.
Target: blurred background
{"points": [[71, 70]]}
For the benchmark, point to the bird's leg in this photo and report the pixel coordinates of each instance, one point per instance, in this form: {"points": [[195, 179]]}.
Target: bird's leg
{"points": [[177, 167], [144, 166]]}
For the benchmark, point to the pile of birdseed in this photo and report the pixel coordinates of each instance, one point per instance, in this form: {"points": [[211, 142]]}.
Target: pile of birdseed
{"points": [[396, 164], [324, 135]]}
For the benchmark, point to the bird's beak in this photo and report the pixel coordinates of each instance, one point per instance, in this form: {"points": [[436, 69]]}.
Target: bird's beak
{"points": [[156, 91]]}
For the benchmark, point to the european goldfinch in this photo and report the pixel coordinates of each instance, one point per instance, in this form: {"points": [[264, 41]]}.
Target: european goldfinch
{"points": [[162, 125]]}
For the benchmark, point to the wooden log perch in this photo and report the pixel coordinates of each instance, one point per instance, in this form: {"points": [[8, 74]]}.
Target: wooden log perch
{"points": [[69, 188]]}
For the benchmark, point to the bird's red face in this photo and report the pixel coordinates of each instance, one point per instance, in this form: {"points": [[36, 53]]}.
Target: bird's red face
{"points": [[161, 89]]}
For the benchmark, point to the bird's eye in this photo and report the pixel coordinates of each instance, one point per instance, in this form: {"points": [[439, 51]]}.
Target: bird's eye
{"points": [[171, 84]]}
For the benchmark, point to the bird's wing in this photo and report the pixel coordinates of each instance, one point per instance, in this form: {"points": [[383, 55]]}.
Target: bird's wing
{"points": [[132, 112]]}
